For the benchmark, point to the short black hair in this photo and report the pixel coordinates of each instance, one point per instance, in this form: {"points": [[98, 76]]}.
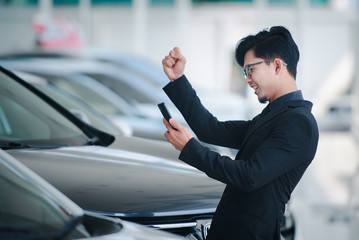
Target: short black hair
{"points": [[277, 42]]}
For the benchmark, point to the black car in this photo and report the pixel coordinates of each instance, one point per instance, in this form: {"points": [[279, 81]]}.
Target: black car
{"points": [[32, 209]]}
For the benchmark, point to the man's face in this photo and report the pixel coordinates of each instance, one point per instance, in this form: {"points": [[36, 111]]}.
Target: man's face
{"points": [[260, 76]]}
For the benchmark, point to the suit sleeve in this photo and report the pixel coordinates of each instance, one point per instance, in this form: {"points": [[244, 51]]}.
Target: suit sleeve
{"points": [[206, 127], [279, 153]]}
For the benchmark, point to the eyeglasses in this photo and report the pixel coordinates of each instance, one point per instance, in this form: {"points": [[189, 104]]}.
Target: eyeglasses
{"points": [[248, 70]]}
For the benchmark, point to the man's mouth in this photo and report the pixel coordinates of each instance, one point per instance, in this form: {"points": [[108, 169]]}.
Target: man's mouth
{"points": [[254, 87]]}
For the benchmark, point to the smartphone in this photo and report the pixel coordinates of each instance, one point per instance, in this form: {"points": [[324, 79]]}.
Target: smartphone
{"points": [[165, 112]]}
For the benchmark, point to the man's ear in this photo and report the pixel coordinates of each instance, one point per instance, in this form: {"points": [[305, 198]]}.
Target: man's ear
{"points": [[278, 65]]}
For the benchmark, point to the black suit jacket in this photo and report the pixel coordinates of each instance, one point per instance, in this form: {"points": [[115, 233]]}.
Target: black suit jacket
{"points": [[275, 148]]}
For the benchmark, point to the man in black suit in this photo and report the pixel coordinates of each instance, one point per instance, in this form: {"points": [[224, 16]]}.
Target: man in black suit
{"points": [[275, 147]]}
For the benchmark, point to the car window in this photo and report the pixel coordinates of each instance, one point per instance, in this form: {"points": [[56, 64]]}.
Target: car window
{"points": [[126, 91], [27, 118]]}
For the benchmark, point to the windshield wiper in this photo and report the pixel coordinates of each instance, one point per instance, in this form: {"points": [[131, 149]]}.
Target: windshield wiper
{"points": [[20, 145]]}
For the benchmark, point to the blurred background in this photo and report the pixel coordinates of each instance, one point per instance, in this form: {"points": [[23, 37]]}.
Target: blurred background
{"points": [[325, 203]]}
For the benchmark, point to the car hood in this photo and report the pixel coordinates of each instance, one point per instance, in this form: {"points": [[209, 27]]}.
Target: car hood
{"points": [[159, 148], [124, 183]]}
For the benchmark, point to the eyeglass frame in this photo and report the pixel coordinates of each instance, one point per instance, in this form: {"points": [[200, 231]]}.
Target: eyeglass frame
{"points": [[246, 68]]}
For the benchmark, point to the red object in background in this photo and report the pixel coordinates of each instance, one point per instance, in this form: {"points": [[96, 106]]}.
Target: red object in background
{"points": [[58, 32]]}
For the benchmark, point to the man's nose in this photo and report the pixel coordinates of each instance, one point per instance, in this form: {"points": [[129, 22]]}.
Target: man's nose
{"points": [[247, 79]]}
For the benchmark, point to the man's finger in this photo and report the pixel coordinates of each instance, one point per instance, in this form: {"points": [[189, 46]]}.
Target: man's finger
{"points": [[168, 61], [167, 124], [167, 135], [176, 53], [175, 124]]}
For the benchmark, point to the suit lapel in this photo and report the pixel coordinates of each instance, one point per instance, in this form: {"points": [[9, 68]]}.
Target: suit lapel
{"points": [[262, 120], [275, 111]]}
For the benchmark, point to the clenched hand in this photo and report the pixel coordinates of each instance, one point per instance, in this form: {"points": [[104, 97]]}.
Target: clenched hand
{"points": [[174, 64]]}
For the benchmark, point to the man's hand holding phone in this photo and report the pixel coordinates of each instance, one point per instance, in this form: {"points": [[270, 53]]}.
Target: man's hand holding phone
{"points": [[176, 134]]}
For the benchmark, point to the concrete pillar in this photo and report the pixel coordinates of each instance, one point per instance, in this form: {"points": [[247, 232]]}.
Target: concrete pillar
{"points": [[223, 57], [261, 7], [46, 7], [85, 18], [182, 8], [302, 13], [140, 18], [355, 100]]}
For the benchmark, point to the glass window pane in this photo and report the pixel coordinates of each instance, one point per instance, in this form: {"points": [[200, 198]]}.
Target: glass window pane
{"points": [[207, 1], [99, 2], [65, 2], [318, 2], [18, 2], [162, 2], [282, 1]]}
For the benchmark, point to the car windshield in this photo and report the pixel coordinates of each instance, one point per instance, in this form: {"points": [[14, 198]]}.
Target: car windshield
{"points": [[78, 107], [26, 118], [83, 91], [32, 209]]}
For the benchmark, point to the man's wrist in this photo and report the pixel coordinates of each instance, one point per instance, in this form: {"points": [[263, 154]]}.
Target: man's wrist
{"points": [[187, 148], [177, 78]]}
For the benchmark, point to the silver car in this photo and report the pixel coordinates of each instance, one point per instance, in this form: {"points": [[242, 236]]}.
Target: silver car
{"points": [[143, 120], [97, 99]]}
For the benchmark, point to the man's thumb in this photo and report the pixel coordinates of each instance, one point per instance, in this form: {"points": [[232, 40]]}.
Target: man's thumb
{"points": [[178, 54], [174, 123]]}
